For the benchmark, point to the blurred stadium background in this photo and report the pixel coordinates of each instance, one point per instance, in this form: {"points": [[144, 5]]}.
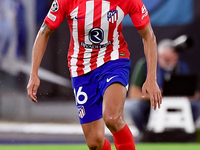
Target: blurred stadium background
{"points": [[54, 119]]}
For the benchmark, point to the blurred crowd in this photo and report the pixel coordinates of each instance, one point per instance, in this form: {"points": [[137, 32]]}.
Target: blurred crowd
{"points": [[168, 64], [12, 29]]}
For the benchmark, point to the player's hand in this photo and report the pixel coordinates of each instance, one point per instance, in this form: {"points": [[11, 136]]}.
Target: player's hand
{"points": [[32, 87], [150, 88]]}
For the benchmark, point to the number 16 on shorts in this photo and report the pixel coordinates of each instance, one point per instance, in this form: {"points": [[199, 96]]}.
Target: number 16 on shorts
{"points": [[80, 96]]}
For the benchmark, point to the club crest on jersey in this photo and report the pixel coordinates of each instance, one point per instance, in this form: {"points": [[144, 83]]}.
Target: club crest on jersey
{"points": [[81, 111], [54, 6], [112, 16]]}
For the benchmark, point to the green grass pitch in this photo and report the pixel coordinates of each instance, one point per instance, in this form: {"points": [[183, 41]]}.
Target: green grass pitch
{"points": [[142, 146]]}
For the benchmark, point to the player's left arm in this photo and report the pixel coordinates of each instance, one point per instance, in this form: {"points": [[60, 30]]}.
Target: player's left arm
{"points": [[150, 49]]}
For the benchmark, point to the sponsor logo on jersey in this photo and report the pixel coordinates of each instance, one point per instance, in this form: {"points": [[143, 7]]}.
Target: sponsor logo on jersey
{"points": [[51, 16], [144, 12], [96, 35], [81, 111], [112, 16], [54, 6], [91, 46]]}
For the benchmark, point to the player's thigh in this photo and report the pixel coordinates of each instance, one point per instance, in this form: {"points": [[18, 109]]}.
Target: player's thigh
{"points": [[94, 132], [114, 89], [113, 102], [88, 97], [114, 98]]}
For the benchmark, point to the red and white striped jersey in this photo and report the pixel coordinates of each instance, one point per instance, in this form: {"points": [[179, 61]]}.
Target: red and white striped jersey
{"points": [[95, 27]]}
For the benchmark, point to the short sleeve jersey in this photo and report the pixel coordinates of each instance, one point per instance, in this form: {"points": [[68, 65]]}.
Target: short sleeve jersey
{"points": [[95, 27]]}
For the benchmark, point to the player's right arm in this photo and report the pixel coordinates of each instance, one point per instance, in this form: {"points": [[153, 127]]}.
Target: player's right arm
{"points": [[38, 51]]}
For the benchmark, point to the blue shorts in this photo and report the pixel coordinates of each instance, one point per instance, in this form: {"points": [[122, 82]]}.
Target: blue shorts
{"points": [[89, 88]]}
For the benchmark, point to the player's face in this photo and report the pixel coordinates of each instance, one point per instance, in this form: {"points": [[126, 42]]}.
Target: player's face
{"points": [[168, 60]]}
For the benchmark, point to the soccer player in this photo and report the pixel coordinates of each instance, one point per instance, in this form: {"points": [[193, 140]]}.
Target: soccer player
{"points": [[99, 64]]}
